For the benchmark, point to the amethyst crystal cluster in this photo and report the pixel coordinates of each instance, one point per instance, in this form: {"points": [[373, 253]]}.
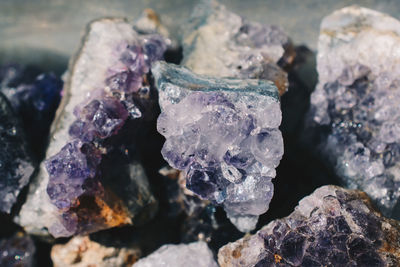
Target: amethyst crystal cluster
{"points": [[331, 227], [107, 95], [75, 170], [229, 143], [355, 108], [220, 43]]}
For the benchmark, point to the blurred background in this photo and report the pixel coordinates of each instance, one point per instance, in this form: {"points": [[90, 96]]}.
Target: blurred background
{"points": [[46, 32]]}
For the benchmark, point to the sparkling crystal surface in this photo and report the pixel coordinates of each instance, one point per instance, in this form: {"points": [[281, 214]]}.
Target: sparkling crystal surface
{"points": [[331, 227], [107, 95], [220, 43], [223, 133], [354, 110], [16, 165], [193, 254]]}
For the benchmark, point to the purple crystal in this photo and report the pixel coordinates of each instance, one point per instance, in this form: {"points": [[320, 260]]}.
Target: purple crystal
{"points": [[75, 170]]}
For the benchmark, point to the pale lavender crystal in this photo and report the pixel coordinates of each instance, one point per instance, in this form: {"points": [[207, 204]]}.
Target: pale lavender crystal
{"points": [[223, 133], [331, 227], [355, 114], [76, 170]]}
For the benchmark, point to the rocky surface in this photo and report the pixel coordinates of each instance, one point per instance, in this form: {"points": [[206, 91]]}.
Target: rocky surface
{"points": [[226, 145], [220, 43], [106, 96], [331, 227], [16, 164], [34, 97], [81, 252], [193, 254], [17, 250], [354, 117]]}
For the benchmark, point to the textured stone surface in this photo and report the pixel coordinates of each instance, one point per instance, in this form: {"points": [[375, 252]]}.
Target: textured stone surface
{"points": [[331, 227], [81, 252], [220, 43], [354, 109], [17, 250], [16, 165], [34, 98], [107, 95], [194, 254], [223, 133]]}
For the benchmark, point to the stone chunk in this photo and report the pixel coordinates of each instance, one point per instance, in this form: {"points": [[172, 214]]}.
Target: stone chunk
{"points": [[331, 227], [81, 252], [220, 43], [193, 254], [91, 178], [223, 133], [16, 165], [18, 250], [354, 113]]}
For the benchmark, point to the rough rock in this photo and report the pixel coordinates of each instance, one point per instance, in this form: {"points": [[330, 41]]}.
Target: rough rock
{"points": [[354, 116], [34, 98], [81, 252], [331, 227], [194, 254], [218, 132], [220, 43], [16, 165], [17, 250], [106, 96]]}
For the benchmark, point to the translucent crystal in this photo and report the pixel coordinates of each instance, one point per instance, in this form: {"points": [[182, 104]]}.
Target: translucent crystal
{"points": [[354, 109], [223, 133]]}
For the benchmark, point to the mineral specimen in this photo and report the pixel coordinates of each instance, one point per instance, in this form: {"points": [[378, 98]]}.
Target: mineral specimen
{"points": [[220, 43], [81, 252], [16, 165], [354, 113], [331, 227], [107, 95], [223, 133], [34, 100], [194, 254], [18, 250]]}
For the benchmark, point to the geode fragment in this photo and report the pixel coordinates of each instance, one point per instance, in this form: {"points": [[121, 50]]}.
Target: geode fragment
{"points": [[91, 179], [331, 227], [193, 254], [223, 133], [355, 115], [17, 250], [16, 165], [220, 43]]}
